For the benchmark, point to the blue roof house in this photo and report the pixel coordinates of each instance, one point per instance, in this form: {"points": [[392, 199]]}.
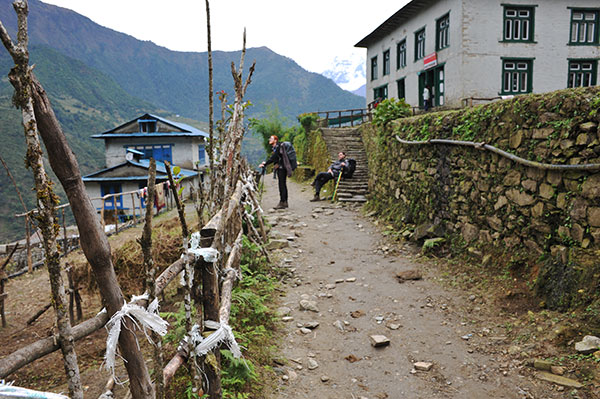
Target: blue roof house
{"points": [[128, 149]]}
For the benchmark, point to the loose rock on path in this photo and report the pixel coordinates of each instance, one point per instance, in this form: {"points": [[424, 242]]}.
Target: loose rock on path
{"points": [[353, 331]]}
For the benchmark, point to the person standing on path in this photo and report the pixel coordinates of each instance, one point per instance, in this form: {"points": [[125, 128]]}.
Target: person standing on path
{"points": [[283, 169], [332, 173]]}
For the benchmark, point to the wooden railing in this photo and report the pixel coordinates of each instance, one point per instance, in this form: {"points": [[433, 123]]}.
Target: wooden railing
{"points": [[135, 216], [223, 230], [348, 117]]}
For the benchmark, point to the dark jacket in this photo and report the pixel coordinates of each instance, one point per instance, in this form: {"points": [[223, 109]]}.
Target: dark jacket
{"points": [[279, 157], [337, 167]]}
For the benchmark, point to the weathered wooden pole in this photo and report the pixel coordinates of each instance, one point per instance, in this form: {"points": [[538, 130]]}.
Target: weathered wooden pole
{"points": [[21, 77], [116, 214], [28, 243], [65, 239], [150, 267], [133, 209]]}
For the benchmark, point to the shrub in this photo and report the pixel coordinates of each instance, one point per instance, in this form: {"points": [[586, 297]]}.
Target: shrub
{"points": [[389, 110]]}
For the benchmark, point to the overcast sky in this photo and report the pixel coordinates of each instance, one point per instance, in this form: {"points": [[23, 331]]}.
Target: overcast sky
{"points": [[311, 32]]}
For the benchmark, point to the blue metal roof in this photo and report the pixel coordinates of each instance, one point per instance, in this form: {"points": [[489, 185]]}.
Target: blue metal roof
{"points": [[181, 129], [144, 164], [156, 134], [131, 150]]}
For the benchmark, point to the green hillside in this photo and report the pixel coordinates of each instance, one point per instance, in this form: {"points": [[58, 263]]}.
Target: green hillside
{"points": [[178, 81], [98, 78], [85, 102]]}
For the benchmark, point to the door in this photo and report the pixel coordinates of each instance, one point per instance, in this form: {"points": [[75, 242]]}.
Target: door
{"points": [[112, 188], [438, 91], [427, 79]]}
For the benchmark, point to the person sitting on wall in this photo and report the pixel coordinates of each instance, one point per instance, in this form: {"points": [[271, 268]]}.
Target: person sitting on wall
{"points": [[332, 173]]}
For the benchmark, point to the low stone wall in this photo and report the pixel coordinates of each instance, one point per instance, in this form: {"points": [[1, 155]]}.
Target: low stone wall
{"points": [[487, 200]]}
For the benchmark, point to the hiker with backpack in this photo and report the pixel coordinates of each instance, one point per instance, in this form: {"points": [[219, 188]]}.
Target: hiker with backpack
{"points": [[284, 160], [343, 165]]}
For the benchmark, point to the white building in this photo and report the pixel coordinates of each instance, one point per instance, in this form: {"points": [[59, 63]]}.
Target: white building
{"points": [[129, 148], [482, 49]]}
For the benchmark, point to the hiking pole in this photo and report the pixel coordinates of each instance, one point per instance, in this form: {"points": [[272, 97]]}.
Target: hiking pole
{"points": [[336, 186]]}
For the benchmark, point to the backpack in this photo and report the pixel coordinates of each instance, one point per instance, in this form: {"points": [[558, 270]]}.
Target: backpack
{"points": [[349, 171], [291, 154]]}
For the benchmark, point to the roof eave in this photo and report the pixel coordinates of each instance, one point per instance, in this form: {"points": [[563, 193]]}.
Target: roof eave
{"points": [[402, 15]]}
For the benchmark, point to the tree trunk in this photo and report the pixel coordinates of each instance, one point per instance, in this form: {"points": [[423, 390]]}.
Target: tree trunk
{"points": [[20, 76], [92, 238], [150, 267]]}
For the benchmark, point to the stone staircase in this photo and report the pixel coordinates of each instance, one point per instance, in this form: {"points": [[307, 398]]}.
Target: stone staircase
{"points": [[349, 140]]}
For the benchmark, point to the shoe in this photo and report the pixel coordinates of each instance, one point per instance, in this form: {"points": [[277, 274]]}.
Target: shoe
{"points": [[315, 199], [282, 205], [314, 183]]}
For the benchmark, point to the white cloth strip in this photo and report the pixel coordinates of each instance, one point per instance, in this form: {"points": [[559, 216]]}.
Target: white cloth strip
{"points": [[9, 391], [149, 319], [210, 255], [224, 334]]}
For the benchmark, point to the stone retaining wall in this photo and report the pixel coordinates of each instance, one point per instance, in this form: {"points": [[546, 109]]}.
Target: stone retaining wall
{"points": [[486, 199]]}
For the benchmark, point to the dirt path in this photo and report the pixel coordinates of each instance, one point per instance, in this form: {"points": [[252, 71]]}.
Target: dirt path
{"points": [[338, 265]]}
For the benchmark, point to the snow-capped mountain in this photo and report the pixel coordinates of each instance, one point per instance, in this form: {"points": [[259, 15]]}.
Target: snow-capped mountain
{"points": [[348, 72]]}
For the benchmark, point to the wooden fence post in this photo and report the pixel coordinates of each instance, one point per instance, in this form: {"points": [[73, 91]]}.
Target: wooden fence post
{"points": [[28, 243], [65, 239], [133, 209], [116, 214]]}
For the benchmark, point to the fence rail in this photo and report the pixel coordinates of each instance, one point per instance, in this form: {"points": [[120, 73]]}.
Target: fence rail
{"points": [[348, 117], [113, 213]]}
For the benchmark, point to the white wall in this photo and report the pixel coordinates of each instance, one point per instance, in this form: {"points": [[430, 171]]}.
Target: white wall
{"points": [[473, 65], [484, 49], [426, 18], [184, 149], [94, 191]]}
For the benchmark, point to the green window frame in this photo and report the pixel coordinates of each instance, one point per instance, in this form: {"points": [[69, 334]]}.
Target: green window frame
{"points": [[386, 62], [401, 54], [380, 93], [442, 37], [582, 73], [518, 23], [401, 84], [517, 75], [419, 44], [374, 68], [584, 26]]}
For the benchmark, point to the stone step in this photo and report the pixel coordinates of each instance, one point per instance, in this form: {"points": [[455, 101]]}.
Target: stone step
{"points": [[356, 198], [356, 186]]}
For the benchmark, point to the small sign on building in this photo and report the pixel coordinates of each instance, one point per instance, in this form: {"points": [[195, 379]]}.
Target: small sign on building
{"points": [[430, 61]]}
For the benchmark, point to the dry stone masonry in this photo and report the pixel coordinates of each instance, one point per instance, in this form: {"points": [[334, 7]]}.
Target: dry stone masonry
{"points": [[551, 218]]}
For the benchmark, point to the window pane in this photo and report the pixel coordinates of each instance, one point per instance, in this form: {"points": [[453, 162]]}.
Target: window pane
{"points": [[577, 16], [524, 14], [571, 80], [524, 81], [525, 33], [508, 30], [511, 13], [515, 81], [590, 32], [574, 31]]}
